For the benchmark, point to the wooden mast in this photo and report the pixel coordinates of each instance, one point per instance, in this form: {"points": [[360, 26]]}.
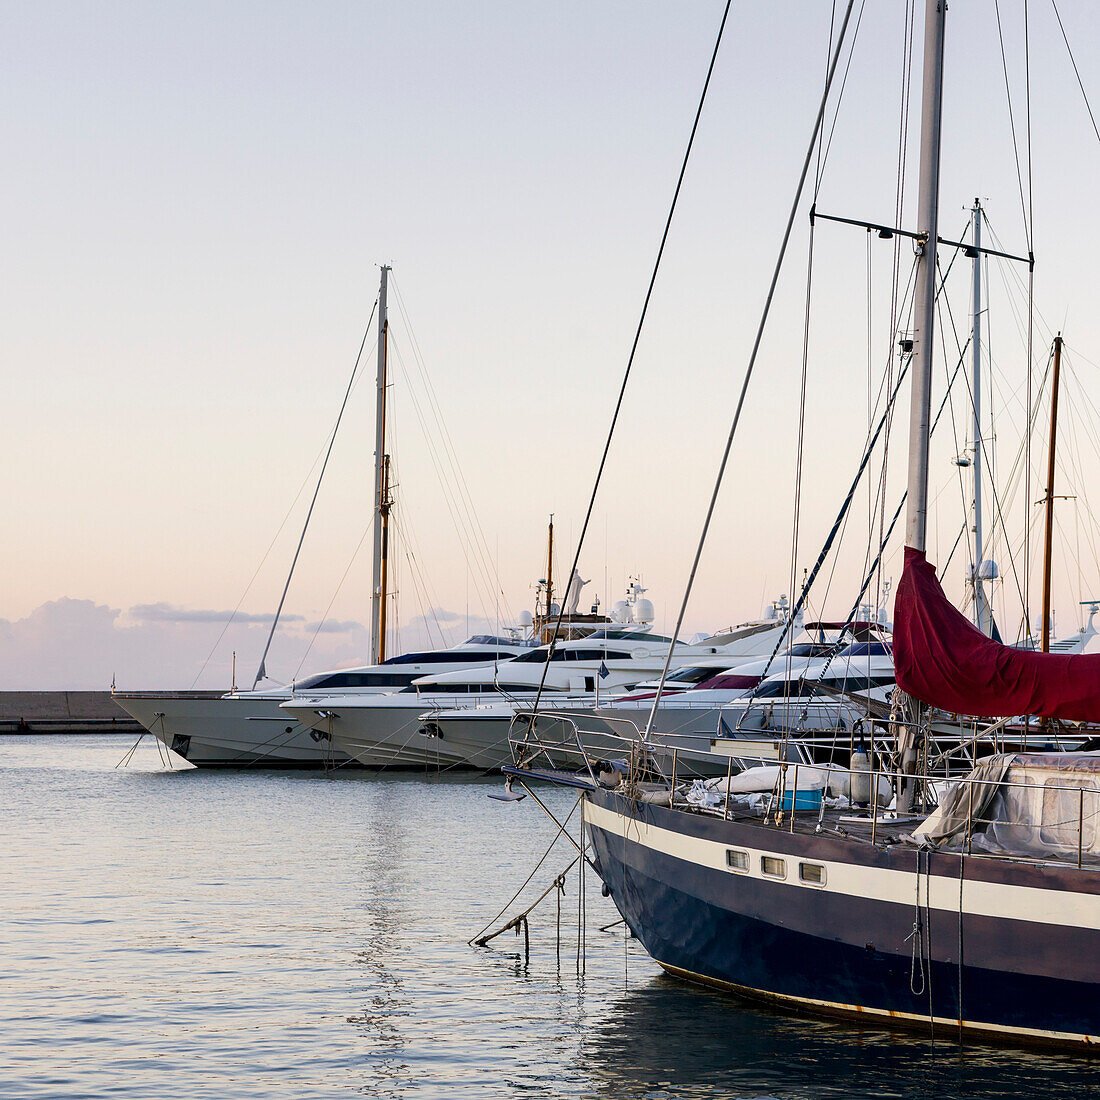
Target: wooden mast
{"points": [[384, 515], [378, 593], [1049, 535]]}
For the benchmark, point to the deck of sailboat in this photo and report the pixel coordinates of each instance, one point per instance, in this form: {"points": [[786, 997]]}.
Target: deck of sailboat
{"points": [[876, 827]]}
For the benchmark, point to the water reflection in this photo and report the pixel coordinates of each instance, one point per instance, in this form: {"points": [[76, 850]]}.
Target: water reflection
{"points": [[382, 860], [668, 1039]]}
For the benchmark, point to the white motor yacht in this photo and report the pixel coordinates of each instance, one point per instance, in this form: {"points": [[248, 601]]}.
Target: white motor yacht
{"points": [[385, 731], [247, 727], [701, 712]]}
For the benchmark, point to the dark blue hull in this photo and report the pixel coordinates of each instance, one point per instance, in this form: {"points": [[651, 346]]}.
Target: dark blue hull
{"points": [[829, 949]]}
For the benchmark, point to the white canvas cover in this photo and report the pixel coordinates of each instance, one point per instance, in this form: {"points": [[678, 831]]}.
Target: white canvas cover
{"points": [[1027, 804], [834, 779]]}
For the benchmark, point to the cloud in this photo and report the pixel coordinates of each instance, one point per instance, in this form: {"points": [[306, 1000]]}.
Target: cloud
{"points": [[73, 644], [334, 626], [439, 614], [167, 613], [442, 627]]}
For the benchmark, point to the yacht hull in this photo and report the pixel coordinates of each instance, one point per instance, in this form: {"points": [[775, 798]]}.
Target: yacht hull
{"points": [[384, 735], [482, 738], [1000, 948], [230, 731]]}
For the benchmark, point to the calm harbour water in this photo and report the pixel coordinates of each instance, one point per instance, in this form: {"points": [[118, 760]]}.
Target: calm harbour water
{"points": [[266, 934]]}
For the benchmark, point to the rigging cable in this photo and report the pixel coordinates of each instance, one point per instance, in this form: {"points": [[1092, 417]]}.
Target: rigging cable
{"points": [[845, 514], [869, 573], [1024, 207], [896, 304], [837, 525], [261, 672], [1001, 502], [324, 618], [274, 538], [454, 501], [797, 512], [752, 361], [888, 413], [841, 521], [634, 344], [822, 157], [480, 547], [993, 487], [1076, 71], [828, 143]]}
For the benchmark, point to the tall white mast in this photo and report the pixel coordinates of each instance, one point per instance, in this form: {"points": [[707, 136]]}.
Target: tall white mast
{"points": [[916, 520], [377, 642], [924, 306], [976, 393]]}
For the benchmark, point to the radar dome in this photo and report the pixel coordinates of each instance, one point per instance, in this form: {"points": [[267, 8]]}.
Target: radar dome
{"points": [[525, 618], [620, 613], [643, 611]]}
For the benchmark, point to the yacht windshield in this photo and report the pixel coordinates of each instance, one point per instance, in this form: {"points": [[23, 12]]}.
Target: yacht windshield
{"points": [[628, 635], [865, 649], [334, 680], [693, 675], [449, 657], [534, 656]]}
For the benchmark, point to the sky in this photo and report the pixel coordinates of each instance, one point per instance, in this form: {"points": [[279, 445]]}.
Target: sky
{"points": [[197, 199]]}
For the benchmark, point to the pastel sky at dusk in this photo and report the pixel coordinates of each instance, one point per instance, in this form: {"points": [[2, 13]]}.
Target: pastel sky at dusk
{"points": [[196, 201]]}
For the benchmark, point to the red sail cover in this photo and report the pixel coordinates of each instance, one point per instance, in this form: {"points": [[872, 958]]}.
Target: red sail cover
{"points": [[943, 659]]}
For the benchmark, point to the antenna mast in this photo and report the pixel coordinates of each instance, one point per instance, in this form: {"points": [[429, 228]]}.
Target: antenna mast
{"points": [[983, 613], [1049, 537], [547, 635]]}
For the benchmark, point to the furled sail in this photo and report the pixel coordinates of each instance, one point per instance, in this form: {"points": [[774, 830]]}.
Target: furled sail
{"points": [[943, 659]]}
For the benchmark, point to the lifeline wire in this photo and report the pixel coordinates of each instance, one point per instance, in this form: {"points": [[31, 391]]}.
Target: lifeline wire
{"points": [[638, 335], [752, 360]]}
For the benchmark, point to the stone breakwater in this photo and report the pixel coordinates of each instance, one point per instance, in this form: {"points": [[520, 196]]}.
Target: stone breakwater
{"points": [[64, 712]]}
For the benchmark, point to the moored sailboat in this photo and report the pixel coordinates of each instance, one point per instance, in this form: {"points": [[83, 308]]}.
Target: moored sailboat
{"points": [[247, 727], [983, 916]]}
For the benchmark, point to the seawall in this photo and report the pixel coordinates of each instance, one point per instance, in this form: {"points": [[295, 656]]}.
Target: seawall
{"points": [[63, 712]]}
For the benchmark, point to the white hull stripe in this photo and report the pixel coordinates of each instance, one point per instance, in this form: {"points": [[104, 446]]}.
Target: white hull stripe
{"points": [[1060, 908]]}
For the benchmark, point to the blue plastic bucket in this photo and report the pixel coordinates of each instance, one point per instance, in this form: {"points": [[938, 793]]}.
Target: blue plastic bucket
{"points": [[803, 800]]}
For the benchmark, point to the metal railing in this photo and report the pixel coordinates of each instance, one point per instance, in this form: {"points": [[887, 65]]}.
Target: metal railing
{"points": [[1051, 816]]}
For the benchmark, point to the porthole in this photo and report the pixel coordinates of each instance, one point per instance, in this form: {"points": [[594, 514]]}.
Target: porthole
{"points": [[773, 866], [813, 874], [737, 860]]}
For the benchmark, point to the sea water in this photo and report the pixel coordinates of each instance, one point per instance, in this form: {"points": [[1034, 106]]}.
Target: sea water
{"points": [[176, 932]]}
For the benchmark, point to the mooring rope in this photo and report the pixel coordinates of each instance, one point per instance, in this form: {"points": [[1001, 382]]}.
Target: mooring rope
{"points": [[473, 940]]}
